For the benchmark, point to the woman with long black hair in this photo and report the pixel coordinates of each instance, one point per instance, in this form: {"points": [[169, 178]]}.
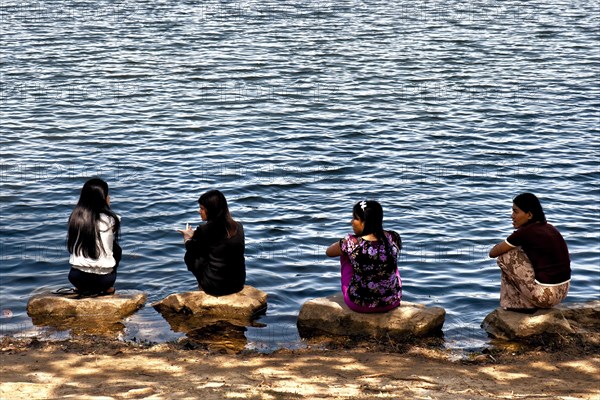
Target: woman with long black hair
{"points": [[534, 260], [92, 241], [215, 250], [369, 261]]}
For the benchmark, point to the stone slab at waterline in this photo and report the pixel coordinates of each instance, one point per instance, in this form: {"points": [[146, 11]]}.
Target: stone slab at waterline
{"points": [[330, 315], [567, 319], [242, 306], [46, 308]]}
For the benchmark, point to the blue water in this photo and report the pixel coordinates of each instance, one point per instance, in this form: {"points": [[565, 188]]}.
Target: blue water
{"points": [[443, 111]]}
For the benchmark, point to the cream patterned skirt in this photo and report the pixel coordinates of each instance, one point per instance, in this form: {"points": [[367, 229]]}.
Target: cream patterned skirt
{"points": [[518, 288]]}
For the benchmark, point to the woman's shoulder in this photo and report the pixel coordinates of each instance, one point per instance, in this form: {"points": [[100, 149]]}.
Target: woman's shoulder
{"points": [[239, 229], [107, 220], [349, 240], [535, 228], [393, 235], [551, 230], [350, 237], [531, 232]]}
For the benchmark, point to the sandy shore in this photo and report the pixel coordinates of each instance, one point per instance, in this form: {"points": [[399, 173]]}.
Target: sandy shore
{"points": [[98, 369]]}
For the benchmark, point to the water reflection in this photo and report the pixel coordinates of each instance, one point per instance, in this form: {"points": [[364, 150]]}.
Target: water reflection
{"points": [[219, 336], [79, 326]]}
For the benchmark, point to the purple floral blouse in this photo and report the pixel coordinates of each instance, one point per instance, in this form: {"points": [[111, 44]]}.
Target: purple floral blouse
{"points": [[375, 280]]}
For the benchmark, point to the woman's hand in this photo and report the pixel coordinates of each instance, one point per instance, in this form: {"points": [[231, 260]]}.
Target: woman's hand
{"points": [[187, 233]]}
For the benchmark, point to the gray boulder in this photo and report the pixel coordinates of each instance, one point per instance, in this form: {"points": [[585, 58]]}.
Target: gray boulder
{"points": [[191, 310], [330, 315], [582, 319]]}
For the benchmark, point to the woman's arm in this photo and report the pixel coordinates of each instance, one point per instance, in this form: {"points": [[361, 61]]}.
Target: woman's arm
{"points": [[500, 248], [334, 250]]}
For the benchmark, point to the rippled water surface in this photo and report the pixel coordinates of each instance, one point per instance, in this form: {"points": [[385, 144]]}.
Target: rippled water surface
{"points": [[442, 111]]}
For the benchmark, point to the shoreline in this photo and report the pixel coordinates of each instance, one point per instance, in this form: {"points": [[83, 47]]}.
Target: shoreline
{"points": [[95, 367]]}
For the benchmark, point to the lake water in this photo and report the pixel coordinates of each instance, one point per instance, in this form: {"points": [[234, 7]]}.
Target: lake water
{"points": [[441, 110]]}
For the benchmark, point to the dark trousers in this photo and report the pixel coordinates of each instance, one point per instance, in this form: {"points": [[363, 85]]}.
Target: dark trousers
{"points": [[86, 282]]}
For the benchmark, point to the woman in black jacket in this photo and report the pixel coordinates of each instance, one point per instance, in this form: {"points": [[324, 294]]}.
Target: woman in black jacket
{"points": [[215, 250]]}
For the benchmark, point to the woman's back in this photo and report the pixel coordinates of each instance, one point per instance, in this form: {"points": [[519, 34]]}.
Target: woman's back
{"points": [[105, 259], [374, 281], [220, 264]]}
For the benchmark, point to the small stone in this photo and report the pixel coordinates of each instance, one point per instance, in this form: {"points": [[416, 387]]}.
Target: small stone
{"points": [[332, 316], [137, 393]]}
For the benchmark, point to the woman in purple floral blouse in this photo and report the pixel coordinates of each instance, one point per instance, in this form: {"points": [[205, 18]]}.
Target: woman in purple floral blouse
{"points": [[370, 278]]}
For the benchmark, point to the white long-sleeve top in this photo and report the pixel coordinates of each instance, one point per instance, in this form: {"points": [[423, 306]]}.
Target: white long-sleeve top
{"points": [[105, 262]]}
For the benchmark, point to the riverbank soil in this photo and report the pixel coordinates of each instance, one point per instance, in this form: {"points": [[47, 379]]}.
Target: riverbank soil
{"points": [[93, 368]]}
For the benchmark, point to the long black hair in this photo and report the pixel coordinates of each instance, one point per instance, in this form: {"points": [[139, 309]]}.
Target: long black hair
{"points": [[528, 202], [83, 236], [217, 214]]}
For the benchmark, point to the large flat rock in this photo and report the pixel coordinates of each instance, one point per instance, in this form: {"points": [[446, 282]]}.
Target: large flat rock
{"points": [[96, 315], [581, 319], [242, 306], [510, 325], [330, 315]]}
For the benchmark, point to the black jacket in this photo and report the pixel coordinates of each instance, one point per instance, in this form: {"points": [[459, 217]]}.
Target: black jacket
{"points": [[217, 261]]}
